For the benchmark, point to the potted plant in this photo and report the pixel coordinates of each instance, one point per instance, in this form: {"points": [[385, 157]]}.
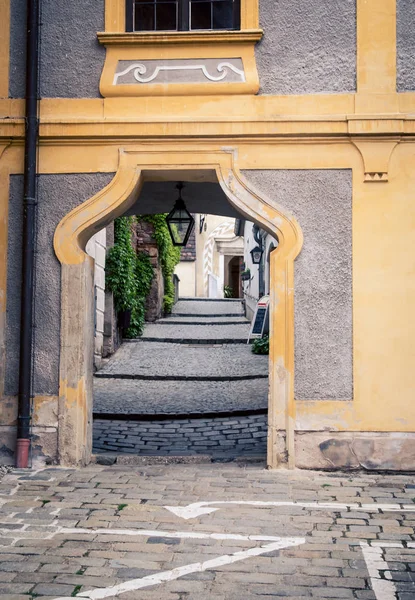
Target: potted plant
{"points": [[246, 275], [261, 345], [227, 292]]}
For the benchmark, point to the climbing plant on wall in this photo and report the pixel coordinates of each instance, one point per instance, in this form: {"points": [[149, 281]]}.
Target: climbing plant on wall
{"points": [[169, 256], [128, 276]]}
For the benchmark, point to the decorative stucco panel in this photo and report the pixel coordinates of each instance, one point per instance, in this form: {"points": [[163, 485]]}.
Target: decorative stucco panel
{"points": [[206, 70]]}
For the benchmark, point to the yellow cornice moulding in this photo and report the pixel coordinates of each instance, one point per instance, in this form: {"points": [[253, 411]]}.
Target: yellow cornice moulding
{"points": [[221, 108], [291, 129]]}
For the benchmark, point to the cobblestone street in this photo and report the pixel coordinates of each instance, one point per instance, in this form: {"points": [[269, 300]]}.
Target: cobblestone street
{"points": [[190, 385], [220, 532]]}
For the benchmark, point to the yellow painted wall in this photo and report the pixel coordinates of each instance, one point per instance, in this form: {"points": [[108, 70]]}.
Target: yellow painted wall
{"points": [[383, 271], [371, 132], [186, 272]]}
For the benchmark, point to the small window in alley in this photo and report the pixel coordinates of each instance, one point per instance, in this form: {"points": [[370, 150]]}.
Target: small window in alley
{"points": [[182, 15]]}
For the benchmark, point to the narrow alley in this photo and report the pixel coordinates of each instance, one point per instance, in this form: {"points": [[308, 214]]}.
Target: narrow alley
{"points": [[189, 386]]}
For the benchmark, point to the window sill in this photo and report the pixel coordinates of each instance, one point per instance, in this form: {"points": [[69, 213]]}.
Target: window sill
{"points": [[179, 37], [195, 63]]}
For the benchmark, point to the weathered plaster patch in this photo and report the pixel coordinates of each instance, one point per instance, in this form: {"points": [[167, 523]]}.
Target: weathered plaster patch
{"points": [[44, 446], [8, 410], [348, 450], [337, 415], [7, 445], [46, 411]]}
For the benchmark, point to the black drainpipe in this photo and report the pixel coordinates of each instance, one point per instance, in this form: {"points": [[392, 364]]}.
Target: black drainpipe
{"points": [[28, 239]]}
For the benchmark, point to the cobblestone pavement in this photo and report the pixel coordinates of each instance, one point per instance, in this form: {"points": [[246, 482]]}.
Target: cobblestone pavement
{"points": [[217, 437], [143, 360], [193, 532], [126, 396], [147, 379]]}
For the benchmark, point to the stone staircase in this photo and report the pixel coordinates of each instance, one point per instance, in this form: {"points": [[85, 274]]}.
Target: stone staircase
{"points": [[201, 321], [189, 385]]}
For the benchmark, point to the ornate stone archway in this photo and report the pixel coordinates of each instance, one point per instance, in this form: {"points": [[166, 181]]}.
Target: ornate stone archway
{"points": [[71, 236]]}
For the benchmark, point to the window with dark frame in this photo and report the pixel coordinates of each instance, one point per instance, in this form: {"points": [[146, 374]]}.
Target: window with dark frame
{"points": [[182, 15]]}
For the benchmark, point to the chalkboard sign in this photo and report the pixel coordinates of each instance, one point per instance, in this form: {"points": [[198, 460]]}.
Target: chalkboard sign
{"points": [[260, 322]]}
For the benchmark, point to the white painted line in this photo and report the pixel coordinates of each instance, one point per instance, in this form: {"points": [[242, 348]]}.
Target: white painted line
{"points": [[220, 561], [140, 532], [383, 544], [382, 588], [184, 534], [191, 511]]}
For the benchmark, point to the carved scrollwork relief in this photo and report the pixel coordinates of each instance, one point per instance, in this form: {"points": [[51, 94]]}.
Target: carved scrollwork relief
{"points": [[180, 71]]}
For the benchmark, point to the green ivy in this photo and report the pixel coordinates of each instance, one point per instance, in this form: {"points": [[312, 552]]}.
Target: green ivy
{"points": [[128, 276], [169, 256], [261, 345]]}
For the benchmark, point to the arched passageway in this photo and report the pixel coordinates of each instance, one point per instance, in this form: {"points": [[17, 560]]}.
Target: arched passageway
{"points": [[137, 170]]}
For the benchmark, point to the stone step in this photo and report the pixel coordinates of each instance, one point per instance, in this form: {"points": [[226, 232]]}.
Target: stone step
{"points": [[210, 334], [197, 299], [135, 397], [206, 315], [169, 361], [208, 307], [198, 320], [221, 436], [144, 377]]}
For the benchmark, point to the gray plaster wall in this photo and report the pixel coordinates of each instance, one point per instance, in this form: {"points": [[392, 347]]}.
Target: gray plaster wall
{"points": [[17, 48], [71, 59], [321, 201], [405, 58], [58, 194], [309, 46]]}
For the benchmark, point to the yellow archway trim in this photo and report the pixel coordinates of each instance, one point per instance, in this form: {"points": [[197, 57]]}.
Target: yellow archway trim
{"points": [[73, 232]]}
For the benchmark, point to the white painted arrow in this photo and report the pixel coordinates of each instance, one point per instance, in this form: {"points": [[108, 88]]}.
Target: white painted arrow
{"points": [[196, 509], [278, 543]]}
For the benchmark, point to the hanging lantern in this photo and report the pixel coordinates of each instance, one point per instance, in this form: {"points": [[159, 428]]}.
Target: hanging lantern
{"points": [[179, 221], [256, 254]]}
